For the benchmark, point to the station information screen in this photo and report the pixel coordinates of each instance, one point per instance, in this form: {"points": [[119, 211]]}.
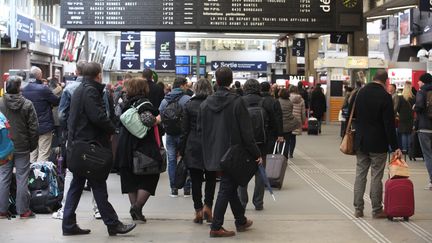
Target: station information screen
{"points": [[213, 15]]}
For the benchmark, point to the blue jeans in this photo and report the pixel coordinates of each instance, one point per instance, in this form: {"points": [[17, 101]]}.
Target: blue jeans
{"points": [[406, 141], [21, 162], [172, 143], [426, 146]]}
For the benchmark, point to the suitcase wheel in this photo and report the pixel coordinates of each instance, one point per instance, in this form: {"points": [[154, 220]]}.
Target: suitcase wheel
{"points": [[406, 218], [390, 218]]}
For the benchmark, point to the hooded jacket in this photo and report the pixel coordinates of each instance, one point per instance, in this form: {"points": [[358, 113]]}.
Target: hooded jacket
{"points": [[43, 100], [23, 121], [424, 123], [290, 123], [224, 116], [299, 111], [176, 93]]}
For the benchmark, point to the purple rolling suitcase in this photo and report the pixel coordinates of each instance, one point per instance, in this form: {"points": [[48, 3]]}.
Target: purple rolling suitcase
{"points": [[276, 165]]}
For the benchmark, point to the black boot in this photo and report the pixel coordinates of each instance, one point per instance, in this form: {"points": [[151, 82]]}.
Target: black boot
{"points": [[76, 231], [120, 229]]}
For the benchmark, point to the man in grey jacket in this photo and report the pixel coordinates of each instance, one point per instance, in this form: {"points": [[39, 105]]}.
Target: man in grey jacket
{"points": [[24, 130]]}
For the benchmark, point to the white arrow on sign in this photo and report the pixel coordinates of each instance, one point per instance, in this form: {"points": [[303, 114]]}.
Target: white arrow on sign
{"points": [[259, 66], [216, 66], [130, 37], [148, 64], [130, 65], [164, 65]]}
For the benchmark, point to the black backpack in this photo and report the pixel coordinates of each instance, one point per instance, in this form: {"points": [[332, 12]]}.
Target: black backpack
{"points": [[259, 119], [172, 117]]}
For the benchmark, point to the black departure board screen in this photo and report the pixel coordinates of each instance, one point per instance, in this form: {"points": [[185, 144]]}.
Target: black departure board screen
{"points": [[211, 15]]}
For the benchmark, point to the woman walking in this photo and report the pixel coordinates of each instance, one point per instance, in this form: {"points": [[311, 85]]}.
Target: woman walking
{"points": [[290, 123], [191, 151], [406, 116], [138, 187], [318, 105], [299, 112]]}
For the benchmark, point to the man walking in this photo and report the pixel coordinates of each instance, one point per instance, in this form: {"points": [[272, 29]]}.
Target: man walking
{"points": [[223, 116], [24, 131], [89, 122], [375, 133], [175, 102], [43, 100]]}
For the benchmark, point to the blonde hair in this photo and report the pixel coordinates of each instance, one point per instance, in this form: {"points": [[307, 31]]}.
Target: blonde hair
{"points": [[407, 91]]}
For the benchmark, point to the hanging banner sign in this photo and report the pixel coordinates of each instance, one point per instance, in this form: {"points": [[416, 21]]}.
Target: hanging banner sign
{"points": [[240, 66], [49, 36], [130, 46], [165, 51], [281, 53], [26, 29]]}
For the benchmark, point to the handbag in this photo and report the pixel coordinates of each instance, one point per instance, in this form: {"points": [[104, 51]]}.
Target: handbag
{"points": [[162, 150], [347, 145], [398, 168], [144, 165], [132, 122], [88, 158], [180, 174]]}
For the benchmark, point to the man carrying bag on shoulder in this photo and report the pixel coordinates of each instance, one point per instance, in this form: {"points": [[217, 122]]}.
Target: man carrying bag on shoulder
{"points": [[89, 125], [228, 144]]}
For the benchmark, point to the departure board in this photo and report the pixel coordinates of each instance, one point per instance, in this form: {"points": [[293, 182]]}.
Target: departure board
{"points": [[212, 15]]}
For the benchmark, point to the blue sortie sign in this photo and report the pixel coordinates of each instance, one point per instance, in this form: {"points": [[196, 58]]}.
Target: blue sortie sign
{"points": [[240, 66], [25, 28], [130, 45], [50, 36], [165, 51]]}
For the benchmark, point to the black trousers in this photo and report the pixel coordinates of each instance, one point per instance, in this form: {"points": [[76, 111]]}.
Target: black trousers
{"points": [[227, 194], [197, 177], [99, 189]]}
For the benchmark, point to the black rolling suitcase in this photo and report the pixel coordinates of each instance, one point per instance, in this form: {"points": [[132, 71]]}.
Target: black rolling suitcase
{"points": [[415, 149], [276, 165], [313, 126]]}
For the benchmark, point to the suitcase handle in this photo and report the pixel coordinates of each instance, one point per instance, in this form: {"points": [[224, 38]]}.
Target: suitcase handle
{"points": [[276, 146]]}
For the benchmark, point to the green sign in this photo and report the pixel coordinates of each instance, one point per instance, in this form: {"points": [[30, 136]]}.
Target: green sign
{"points": [[203, 60]]}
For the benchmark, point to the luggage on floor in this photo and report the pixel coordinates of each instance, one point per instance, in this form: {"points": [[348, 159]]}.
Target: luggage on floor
{"points": [[313, 126], [399, 198], [276, 165], [46, 188], [415, 149]]}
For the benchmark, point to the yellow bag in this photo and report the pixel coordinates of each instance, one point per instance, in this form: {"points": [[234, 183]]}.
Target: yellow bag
{"points": [[398, 168]]}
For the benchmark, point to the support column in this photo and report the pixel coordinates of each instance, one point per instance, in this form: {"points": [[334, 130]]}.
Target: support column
{"points": [[312, 48]]}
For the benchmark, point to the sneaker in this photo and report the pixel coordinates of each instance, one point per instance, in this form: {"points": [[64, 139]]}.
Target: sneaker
{"points": [[174, 192], [97, 215], [27, 215], [428, 186], [58, 214], [187, 193]]}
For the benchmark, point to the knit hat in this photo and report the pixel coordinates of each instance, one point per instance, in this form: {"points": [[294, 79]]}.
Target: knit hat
{"points": [[426, 78]]}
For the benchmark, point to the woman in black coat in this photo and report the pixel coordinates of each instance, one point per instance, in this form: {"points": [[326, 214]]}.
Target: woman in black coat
{"points": [[318, 104], [138, 187], [406, 116], [191, 151]]}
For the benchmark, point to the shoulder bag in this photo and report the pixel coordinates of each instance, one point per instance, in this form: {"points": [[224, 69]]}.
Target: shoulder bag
{"points": [[132, 122], [347, 145], [88, 158]]}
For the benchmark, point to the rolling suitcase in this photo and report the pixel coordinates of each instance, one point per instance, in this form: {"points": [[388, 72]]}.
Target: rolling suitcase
{"points": [[399, 198], [415, 149], [276, 165], [313, 126]]}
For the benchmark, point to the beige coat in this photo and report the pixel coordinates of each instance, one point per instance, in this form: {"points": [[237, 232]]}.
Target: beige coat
{"points": [[299, 111], [290, 123]]}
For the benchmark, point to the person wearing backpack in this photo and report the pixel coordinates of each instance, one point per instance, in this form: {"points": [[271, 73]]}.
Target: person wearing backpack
{"points": [[260, 117], [423, 107], [24, 134], [171, 110]]}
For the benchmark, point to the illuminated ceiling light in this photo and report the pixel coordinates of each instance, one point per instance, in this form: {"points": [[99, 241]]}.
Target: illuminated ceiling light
{"points": [[402, 7], [379, 17]]}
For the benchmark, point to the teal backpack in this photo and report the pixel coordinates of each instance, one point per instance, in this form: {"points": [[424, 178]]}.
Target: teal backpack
{"points": [[6, 144], [132, 122]]}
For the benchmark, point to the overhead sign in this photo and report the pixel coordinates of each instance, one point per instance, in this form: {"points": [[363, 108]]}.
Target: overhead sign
{"points": [[281, 53], [149, 63], [425, 5], [130, 47], [214, 15], [299, 47], [339, 38], [165, 51], [26, 29], [49, 36], [240, 66]]}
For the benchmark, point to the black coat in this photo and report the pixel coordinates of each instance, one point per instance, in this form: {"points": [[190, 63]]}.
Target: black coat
{"points": [[88, 120], [406, 116], [318, 104], [424, 122], [273, 106], [156, 94], [224, 116], [374, 120], [190, 139], [128, 143]]}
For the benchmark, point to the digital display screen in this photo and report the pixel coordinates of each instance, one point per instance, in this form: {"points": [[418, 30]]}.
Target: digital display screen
{"points": [[203, 60], [182, 60], [183, 70]]}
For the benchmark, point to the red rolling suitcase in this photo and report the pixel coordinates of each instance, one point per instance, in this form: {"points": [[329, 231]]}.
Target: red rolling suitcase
{"points": [[399, 198]]}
